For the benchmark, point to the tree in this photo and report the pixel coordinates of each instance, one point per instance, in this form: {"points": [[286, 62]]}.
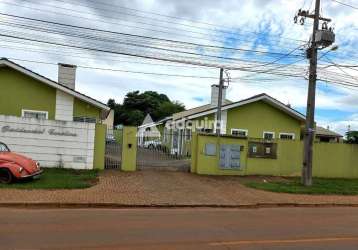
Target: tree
{"points": [[111, 103], [352, 137], [137, 105]]}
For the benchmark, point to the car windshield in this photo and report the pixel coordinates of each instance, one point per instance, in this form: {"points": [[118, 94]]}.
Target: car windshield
{"points": [[3, 148]]}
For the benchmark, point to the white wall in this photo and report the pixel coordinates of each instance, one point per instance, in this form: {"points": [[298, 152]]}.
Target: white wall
{"points": [[64, 106], [52, 143]]}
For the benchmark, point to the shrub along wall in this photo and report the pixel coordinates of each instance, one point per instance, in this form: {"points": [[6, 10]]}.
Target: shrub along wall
{"points": [[333, 160]]}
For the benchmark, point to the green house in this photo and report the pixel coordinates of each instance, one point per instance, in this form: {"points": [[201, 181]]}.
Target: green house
{"points": [[260, 117], [25, 93]]}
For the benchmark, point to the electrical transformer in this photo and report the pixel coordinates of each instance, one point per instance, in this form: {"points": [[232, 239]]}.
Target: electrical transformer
{"points": [[325, 38]]}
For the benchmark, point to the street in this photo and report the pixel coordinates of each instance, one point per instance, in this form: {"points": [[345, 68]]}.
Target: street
{"points": [[267, 228]]}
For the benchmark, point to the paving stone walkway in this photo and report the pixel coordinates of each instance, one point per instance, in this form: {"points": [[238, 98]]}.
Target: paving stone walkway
{"points": [[167, 188]]}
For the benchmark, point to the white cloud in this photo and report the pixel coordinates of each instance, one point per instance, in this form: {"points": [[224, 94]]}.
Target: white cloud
{"points": [[274, 17]]}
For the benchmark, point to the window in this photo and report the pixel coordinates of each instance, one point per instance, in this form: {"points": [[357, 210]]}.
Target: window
{"points": [[239, 132], [287, 136], [84, 119], [4, 148], [269, 135], [206, 130], [35, 114]]}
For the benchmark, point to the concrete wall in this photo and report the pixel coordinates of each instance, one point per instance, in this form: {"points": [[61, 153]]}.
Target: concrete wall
{"points": [[331, 160], [99, 146], [52, 143]]}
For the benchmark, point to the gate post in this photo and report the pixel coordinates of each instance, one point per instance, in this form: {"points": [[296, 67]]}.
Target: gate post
{"points": [[129, 149], [194, 152], [99, 150]]}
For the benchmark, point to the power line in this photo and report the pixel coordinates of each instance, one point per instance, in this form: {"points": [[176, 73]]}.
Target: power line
{"points": [[119, 70], [78, 55], [345, 4], [141, 36], [22, 36], [178, 75], [123, 25], [344, 72], [160, 20]]}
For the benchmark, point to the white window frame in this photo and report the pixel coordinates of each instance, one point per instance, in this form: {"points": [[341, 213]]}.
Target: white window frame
{"points": [[291, 134], [268, 132], [34, 111], [240, 130]]}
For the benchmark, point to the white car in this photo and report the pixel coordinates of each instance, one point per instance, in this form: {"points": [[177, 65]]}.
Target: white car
{"points": [[152, 144]]}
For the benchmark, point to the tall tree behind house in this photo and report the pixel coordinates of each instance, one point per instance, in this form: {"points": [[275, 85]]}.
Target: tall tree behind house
{"points": [[136, 105]]}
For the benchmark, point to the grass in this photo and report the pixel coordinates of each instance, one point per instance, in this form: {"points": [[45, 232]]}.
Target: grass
{"points": [[57, 178], [320, 186]]}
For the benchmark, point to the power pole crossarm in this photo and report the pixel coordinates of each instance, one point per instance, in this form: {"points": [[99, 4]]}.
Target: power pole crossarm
{"points": [[306, 14]]}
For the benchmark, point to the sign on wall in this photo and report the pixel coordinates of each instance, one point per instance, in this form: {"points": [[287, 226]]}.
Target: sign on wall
{"points": [[52, 143], [263, 150]]}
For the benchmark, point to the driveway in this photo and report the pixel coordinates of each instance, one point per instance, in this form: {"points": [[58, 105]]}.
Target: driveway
{"points": [[167, 188]]}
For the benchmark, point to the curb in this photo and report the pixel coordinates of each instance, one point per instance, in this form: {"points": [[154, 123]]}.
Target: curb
{"points": [[167, 206]]}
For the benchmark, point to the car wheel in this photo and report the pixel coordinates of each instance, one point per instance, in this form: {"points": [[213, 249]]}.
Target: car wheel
{"points": [[5, 176]]}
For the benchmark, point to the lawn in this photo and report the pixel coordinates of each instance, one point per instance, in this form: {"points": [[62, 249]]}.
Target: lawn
{"points": [[320, 186], [56, 178]]}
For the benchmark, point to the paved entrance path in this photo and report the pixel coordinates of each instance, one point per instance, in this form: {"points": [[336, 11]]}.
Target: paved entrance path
{"points": [[166, 188], [181, 229]]}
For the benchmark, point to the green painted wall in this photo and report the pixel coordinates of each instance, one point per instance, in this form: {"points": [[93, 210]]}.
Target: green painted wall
{"points": [[258, 117], [335, 160], [99, 146], [18, 91], [129, 149], [84, 109], [331, 160]]}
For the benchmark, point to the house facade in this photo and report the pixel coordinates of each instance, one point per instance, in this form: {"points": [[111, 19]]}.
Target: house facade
{"points": [[27, 94], [47, 120], [259, 117]]}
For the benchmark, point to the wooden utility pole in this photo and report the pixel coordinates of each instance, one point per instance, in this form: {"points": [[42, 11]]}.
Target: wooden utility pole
{"points": [[220, 97], [322, 40], [311, 101]]}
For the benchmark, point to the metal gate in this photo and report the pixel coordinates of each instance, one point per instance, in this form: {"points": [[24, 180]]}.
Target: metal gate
{"points": [[113, 155], [170, 151]]}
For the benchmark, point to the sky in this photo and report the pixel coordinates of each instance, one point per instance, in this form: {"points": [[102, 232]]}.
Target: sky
{"points": [[263, 25]]}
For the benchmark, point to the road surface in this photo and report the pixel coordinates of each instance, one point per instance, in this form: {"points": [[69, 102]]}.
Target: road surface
{"points": [[270, 228]]}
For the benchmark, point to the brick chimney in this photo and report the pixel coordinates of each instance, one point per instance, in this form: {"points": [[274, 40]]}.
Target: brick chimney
{"points": [[67, 75], [215, 94]]}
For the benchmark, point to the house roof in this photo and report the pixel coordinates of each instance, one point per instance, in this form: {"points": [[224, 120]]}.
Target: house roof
{"points": [[208, 109], [195, 110], [45, 80], [320, 131]]}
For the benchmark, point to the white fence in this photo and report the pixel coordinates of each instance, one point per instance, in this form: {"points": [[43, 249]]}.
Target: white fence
{"points": [[52, 143]]}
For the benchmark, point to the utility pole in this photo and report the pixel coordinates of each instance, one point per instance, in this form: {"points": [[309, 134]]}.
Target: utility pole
{"points": [[220, 97], [322, 40]]}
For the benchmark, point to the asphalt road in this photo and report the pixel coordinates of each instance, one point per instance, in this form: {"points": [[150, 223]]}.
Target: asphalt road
{"points": [[270, 228]]}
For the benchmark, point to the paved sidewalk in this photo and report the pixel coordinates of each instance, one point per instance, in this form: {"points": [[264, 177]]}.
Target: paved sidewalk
{"points": [[167, 188]]}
